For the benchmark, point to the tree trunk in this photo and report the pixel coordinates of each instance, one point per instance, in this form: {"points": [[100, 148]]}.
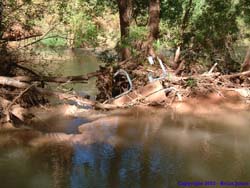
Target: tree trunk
{"points": [[154, 23], [1, 18], [246, 64], [125, 12], [186, 17]]}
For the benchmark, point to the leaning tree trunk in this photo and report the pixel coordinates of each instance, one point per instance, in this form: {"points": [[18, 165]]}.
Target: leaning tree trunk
{"points": [[154, 23], [125, 12], [246, 64]]}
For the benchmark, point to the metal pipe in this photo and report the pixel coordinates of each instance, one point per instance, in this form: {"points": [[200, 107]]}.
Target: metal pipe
{"points": [[164, 71], [121, 71]]}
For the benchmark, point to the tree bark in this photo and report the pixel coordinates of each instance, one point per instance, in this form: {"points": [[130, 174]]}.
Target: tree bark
{"points": [[8, 81], [154, 19], [246, 64], [125, 13], [1, 18], [154, 23]]}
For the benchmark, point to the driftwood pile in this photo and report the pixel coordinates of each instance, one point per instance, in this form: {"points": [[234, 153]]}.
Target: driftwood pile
{"points": [[16, 93]]}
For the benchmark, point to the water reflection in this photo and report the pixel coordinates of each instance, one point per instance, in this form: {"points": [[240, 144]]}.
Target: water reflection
{"points": [[101, 165], [91, 164], [131, 149], [68, 62]]}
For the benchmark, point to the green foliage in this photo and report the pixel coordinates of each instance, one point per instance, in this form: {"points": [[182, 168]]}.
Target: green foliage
{"points": [[24, 12], [140, 12], [78, 22], [172, 11], [191, 82], [98, 7], [205, 27], [84, 31], [209, 21], [137, 35], [215, 23], [244, 6], [54, 42]]}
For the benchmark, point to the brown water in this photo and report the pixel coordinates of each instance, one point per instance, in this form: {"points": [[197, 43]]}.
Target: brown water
{"points": [[134, 148]]}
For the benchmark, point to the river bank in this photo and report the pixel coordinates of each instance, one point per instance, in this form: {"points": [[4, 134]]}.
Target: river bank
{"points": [[68, 81]]}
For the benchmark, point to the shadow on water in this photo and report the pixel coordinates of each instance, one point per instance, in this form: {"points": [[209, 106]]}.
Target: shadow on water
{"points": [[131, 148], [59, 124]]}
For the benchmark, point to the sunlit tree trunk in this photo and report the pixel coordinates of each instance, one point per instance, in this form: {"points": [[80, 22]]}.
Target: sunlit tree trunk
{"points": [[154, 23], [246, 64], [125, 12]]}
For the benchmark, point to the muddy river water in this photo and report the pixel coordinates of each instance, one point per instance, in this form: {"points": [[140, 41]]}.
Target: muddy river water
{"points": [[137, 148]]}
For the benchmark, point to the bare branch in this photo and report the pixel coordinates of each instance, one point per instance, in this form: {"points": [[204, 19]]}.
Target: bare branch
{"points": [[42, 37]]}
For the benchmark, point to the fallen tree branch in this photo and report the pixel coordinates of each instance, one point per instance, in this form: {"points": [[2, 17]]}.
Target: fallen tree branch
{"points": [[179, 68], [19, 81], [66, 96], [8, 81], [16, 112], [7, 110], [15, 39], [80, 78], [26, 69], [246, 73], [78, 99], [173, 78], [18, 97], [42, 37], [212, 69]]}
